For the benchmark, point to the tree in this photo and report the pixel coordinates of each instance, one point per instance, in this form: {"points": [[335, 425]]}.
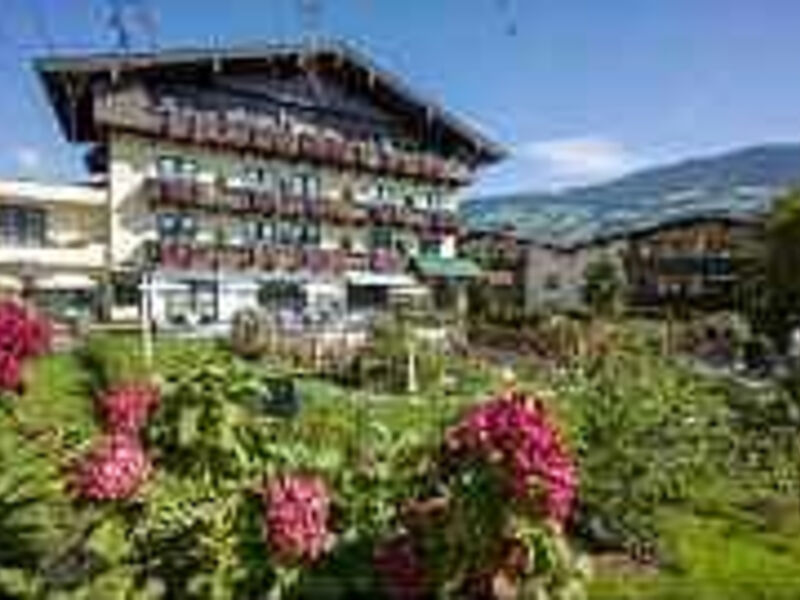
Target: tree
{"points": [[770, 272], [602, 286]]}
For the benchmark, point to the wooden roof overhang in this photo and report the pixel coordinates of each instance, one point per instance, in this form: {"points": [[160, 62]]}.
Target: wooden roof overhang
{"points": [[72, 81]]}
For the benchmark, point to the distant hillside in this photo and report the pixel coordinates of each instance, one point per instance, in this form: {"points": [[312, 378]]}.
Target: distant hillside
{"points": [[739, 182]]}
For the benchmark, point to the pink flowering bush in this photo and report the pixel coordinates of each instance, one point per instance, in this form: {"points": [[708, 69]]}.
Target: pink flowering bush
{"points": [[127, 407], [296, 512], [466, 536], [23, 335], [113, 469], [514, 433]]}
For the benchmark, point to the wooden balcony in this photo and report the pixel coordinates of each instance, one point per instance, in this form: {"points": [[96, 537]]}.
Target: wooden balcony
{"points": [[266, 257], [190, 195], [221, 130]]}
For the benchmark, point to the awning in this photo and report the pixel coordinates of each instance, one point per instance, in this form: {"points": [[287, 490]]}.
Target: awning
{"points": [[368, 278], [446, 268], [9, 283], [65, 281]]}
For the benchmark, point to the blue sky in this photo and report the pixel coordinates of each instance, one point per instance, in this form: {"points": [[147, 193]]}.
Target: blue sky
{"points": [[578, 90]]}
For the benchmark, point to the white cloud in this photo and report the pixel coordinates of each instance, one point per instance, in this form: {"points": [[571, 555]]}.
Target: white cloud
{"points": [[577, 160], [28, 158]]}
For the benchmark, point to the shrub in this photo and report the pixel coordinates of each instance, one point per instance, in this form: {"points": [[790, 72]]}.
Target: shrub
{"points": [[111, 359], [645, 432], [249, 334], [501, 488]]}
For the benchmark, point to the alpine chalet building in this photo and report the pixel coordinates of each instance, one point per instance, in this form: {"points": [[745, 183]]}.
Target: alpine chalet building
{"points": [[269, 175]]}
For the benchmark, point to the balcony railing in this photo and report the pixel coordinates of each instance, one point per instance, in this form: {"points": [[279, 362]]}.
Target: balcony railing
{"points": [[267, 257], [89, 257], [224, 130], [191, 195]]}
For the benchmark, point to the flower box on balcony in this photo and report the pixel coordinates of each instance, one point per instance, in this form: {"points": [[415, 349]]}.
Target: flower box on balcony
{"points": [[357, 262], [359, 215], [180, 125], [285, 144], [206, 129], [264, 202], [237, 133], [263, 138]]}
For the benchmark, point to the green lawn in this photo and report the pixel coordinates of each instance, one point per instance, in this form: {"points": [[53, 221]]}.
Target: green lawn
{"points": [[718, 557]]}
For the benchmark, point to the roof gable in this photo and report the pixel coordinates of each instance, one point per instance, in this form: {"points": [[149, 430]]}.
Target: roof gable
{"points": [[71, 82]]}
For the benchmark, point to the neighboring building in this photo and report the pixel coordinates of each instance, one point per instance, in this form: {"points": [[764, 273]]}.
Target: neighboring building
{"points": [[53, 244], [672, 259], [690, 260], [271, 175], [554, 275], [501, 254]]}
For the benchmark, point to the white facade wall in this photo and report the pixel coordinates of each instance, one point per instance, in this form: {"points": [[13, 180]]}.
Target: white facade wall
{"points": [[554, 277], [132, 223], [75, 235]]}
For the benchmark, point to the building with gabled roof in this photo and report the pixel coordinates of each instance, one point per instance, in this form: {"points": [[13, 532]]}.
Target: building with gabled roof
{"points": [[236, 172]]}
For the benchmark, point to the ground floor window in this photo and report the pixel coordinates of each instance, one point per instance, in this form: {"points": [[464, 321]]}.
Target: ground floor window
{"points": [[277, 295], [67, 304], [125, 287], [194, 303], [367, 297]]}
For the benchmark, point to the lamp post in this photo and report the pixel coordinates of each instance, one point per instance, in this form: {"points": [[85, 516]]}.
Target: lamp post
{"points": [[146, 318]]}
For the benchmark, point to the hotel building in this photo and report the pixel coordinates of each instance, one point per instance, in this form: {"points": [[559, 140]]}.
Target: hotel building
{"points": [[272, 175]]}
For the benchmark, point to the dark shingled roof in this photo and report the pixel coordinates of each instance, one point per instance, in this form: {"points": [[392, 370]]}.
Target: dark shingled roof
{"points": [[67, 77]]}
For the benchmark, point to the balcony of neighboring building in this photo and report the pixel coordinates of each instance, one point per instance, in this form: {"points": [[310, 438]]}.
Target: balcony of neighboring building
{"points": [[38, 234]]}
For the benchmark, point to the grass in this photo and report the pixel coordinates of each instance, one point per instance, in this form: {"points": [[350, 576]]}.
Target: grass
{"points": [[735, 556]]}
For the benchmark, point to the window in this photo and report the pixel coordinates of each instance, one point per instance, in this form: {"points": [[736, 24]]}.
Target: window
{"points": [[381, 237], [198, 301], [306, 185], [552, 282], [311, 234], [252, 232], [125, 289], [434, 201], [260, 178], [287, 233], [430, 246], [176, 167], [22, 226], [176, 227], [285, 186]]}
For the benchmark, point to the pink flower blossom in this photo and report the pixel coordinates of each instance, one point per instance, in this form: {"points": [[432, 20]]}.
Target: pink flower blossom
{"points": [[126, 408], [516, 434], [23, 333], [296, 511], [10, 372], [400, 569], [113, 469]]}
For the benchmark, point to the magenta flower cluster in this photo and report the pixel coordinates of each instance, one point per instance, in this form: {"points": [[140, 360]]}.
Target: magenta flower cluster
{"points": [[113, 469], [514, 433], [23, 335], [117, 464], [296, 512], [400, 569], [126, 408]]}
